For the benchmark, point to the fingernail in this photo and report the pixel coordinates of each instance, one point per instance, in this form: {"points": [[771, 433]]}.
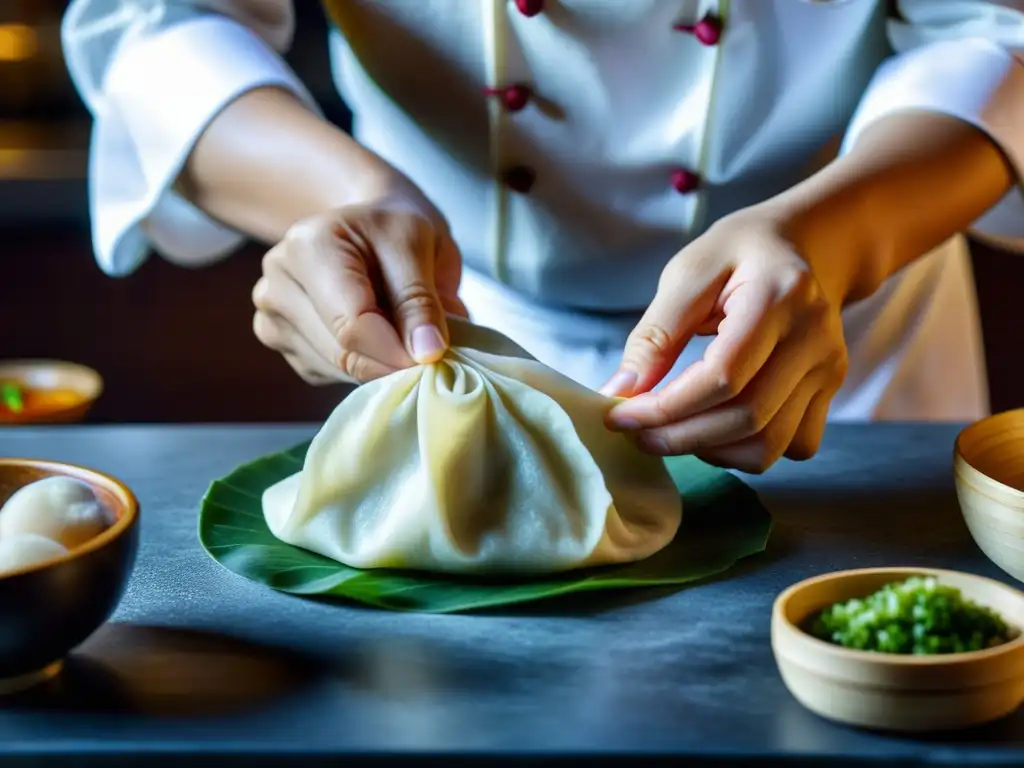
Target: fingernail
{"points": [[427, 344], [620, 385]]}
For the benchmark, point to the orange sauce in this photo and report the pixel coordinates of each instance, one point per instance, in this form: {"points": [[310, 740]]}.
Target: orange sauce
{"points": [[40, 405]]}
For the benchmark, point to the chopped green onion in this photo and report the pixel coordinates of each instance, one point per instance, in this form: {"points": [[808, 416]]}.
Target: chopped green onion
{"points": [[13, 397], [916, 616]]}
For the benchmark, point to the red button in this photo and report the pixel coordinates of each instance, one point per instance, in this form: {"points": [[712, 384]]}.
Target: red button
{"points": [[519, 179], [708, 30], [684, 181], [530, 7], [514, 97]]}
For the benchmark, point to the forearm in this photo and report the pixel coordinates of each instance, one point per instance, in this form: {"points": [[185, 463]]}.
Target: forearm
{"points": [[266, 161], [911, 182]]}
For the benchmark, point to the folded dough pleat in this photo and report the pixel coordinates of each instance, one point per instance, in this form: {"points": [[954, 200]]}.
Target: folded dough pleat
{"points": [[487, 461]]}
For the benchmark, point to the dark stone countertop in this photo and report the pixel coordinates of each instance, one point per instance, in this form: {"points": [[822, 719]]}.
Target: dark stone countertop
{"points": [[198, 661]]}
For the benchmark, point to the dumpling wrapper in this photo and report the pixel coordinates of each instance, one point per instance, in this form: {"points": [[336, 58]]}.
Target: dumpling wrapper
{"points": [[487, 461]]}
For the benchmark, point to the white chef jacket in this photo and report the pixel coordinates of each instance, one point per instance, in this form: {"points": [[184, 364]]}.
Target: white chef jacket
{"points": [[637, 134]]}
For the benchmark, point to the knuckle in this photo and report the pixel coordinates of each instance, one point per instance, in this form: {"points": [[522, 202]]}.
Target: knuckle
{"points": [[726, 384], [354, 365], [272, 259], [756, 467], [651, 339], [266, 330], [836, 365], [841, 365], [307, 230], [803, 449], [753, 417], [399, 221], [415, 298], [261, 294], [799, 289], [796, 283], [344, 331], [673, 273], [759, 461], [304, 241]]}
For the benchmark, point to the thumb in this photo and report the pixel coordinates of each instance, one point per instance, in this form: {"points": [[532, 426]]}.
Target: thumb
{"points": [[687, 294], [419, 315]]}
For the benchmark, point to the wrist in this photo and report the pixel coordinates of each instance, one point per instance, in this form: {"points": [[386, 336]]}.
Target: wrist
{"points": [[266, 161], [833, 231], [910, 183]]}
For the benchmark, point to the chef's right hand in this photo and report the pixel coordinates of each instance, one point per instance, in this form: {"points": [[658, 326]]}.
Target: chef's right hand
{"points": [[360, 291]]}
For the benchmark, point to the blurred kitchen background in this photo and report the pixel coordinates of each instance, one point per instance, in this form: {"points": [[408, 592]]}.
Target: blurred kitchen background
{"points": [[176, 345]]}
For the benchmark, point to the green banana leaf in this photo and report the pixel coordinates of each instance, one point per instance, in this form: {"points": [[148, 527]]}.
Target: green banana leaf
{"points": [[723, 521]]}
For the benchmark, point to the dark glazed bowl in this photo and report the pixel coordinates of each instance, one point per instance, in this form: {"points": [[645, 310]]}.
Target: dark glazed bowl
{"points": [[48, 609]]}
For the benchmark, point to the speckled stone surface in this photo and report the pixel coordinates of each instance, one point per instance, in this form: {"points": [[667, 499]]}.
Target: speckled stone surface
{"points": [[199, 661]]}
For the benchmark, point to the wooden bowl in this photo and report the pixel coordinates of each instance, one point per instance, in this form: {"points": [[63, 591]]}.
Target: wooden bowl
{"points": [[896, 692], [78, 386], [48, 609], [988, 469]]}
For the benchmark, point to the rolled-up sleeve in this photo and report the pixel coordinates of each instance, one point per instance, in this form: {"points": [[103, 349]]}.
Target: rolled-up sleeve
{"points": [[963, 58], [153, 75]]}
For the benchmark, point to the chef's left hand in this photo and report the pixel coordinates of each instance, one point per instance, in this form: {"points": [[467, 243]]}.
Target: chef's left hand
{"points": [[763, 387]]}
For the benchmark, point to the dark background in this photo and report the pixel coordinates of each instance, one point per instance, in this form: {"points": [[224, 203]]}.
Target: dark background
{"points": [[175, 344]]}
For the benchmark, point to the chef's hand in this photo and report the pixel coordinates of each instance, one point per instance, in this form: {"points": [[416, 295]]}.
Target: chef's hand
{"points": [[763, 387], [360, 292]]}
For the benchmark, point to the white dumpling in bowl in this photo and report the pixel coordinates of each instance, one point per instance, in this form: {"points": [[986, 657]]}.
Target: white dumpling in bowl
{"points": [[59, 508], [486, 461], [24, 550]]}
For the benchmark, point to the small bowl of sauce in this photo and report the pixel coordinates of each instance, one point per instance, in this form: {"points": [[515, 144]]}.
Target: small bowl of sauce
{"points": [[46, 391]]}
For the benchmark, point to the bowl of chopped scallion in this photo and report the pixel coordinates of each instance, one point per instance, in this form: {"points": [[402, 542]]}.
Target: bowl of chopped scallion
{"points": [[902, 649]]}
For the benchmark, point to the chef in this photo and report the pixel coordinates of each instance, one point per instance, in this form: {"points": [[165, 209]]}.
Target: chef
{"points": [[743, 216]]}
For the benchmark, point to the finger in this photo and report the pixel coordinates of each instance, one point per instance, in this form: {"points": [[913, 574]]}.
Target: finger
{"points": [[758, 453], [333, 273], [808, 436], [720, 427], [745, 414], [282, 297], [747, 336], [283, 337], [276, 334], [407, 269], [686, 296]]}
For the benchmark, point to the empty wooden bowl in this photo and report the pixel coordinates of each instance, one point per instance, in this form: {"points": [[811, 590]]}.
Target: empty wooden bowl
{"points": [[897, 692], [52, 391], [988, 469], [48, 609]]}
